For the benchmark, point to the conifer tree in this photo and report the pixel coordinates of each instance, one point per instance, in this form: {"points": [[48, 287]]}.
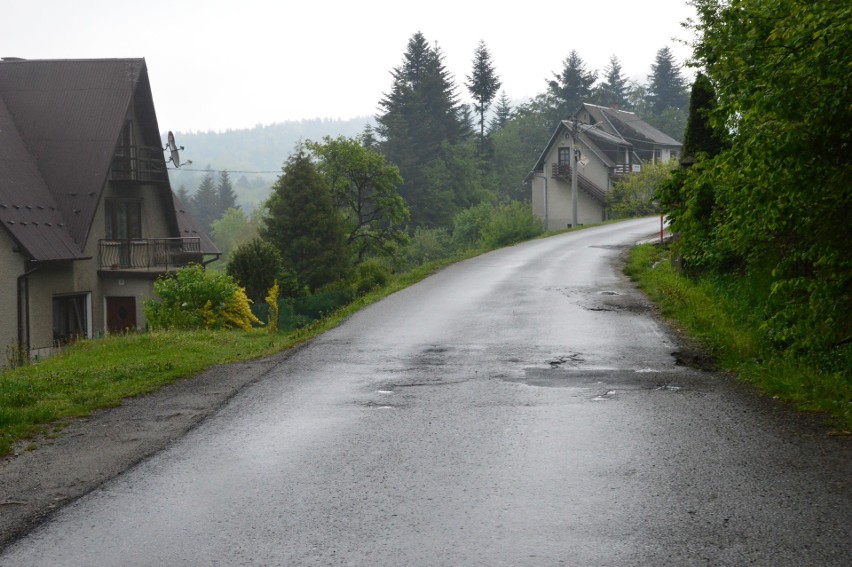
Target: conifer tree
{"points": [[572, 87], [701, 137], [483, 84], [183, 196], [614, 90], [227, 196], [302, 221], [423, 127], [502, 113], [667, 87], [205, 202]]}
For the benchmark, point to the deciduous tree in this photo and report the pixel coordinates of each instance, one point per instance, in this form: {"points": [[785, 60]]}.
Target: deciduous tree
{"points": [[365, 187], [782, 198]]}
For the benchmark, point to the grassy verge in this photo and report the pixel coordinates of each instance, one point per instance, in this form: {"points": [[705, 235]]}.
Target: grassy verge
{"points": [[96, 374], [723, 315]]}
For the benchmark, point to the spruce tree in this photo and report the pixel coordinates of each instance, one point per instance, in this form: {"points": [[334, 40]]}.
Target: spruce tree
{"points": [[302, 221], [205, 202], [614, 90], [701, 137], [183, 196], [424, 129], [227, 196], [572, 87], [667, 87], [502, 113], [482, 84]]}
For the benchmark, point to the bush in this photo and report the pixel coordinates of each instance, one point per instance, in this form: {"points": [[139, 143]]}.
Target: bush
{"points": [[509, 223], [634, 195], [255, 265], [194, 298], [469, 224], [427, 245], [369, 275]]}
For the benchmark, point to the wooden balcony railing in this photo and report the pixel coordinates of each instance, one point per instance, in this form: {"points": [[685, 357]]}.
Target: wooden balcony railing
{"points": [[140, 163], [149, 254]]}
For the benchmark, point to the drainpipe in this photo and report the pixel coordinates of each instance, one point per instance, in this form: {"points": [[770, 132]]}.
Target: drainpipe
{"points": [[24, 311]]}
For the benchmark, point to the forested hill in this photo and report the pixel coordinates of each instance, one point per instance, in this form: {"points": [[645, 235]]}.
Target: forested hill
{"points": [[251, 154]]}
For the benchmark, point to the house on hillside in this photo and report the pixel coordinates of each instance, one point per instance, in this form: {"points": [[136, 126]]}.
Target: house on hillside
{"points": [[608, 145], [88, 217]]}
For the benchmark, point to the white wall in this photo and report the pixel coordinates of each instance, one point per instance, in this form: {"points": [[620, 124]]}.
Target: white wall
{"points": [[559, 200]]}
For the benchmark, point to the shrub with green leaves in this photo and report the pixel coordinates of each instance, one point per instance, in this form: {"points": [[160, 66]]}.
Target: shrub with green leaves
{"points": [[510, 223], [369, 275], [427, 245], [634, 195], [256, 265], [469, 224], [194, 298]]}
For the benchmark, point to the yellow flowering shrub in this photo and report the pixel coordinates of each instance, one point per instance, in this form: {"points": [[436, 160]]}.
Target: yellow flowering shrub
{"points": [[272, 302]]}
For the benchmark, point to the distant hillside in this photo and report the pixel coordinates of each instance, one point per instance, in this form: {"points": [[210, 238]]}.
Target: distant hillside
{"points": [[252, 156]]}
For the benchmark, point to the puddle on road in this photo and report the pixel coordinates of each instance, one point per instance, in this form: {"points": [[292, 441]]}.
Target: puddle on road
{"points": [[607, 380]]}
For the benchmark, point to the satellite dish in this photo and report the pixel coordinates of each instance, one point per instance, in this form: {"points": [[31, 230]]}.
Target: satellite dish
{"points": [[174, 155]]}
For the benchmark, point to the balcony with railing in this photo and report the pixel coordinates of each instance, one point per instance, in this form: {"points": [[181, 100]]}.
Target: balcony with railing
{"points": [[140, 163], [622, 170], [149, 254]]}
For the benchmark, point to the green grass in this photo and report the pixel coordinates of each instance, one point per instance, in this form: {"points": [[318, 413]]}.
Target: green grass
{"points": [[94, 374], [724, 315]]}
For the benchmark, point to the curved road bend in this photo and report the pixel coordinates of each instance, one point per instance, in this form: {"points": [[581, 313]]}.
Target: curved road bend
{"points": [[519, 408]]}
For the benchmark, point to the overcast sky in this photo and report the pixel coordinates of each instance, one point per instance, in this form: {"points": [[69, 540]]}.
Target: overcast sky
{"points": [[217, 65]]}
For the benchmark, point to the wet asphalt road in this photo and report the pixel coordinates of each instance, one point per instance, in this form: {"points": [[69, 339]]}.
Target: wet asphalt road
{"points": [[520, 408]]}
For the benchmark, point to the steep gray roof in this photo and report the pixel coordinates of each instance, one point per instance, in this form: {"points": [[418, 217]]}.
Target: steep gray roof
{"points": [[60, 122], [629, 126], [28, 210]]}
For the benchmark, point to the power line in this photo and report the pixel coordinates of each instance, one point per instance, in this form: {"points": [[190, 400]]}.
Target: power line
{"points": [[223, 170]]}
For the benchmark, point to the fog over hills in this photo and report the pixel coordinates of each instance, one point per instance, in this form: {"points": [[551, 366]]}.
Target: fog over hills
{"points": [[252, 156]]}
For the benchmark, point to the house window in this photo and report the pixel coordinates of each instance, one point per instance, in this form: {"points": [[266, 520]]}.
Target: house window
{"points": [[123, 219], [70, 317]]}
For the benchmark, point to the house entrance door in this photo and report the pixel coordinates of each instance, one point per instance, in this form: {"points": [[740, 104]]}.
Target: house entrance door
{"points": [[121, 313]]}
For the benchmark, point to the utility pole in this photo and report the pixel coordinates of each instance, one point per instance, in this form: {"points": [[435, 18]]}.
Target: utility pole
{"points": [[575, 151]]}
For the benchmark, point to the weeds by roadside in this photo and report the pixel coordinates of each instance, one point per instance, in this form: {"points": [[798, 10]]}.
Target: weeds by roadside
{"points": [[724, 314]]}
